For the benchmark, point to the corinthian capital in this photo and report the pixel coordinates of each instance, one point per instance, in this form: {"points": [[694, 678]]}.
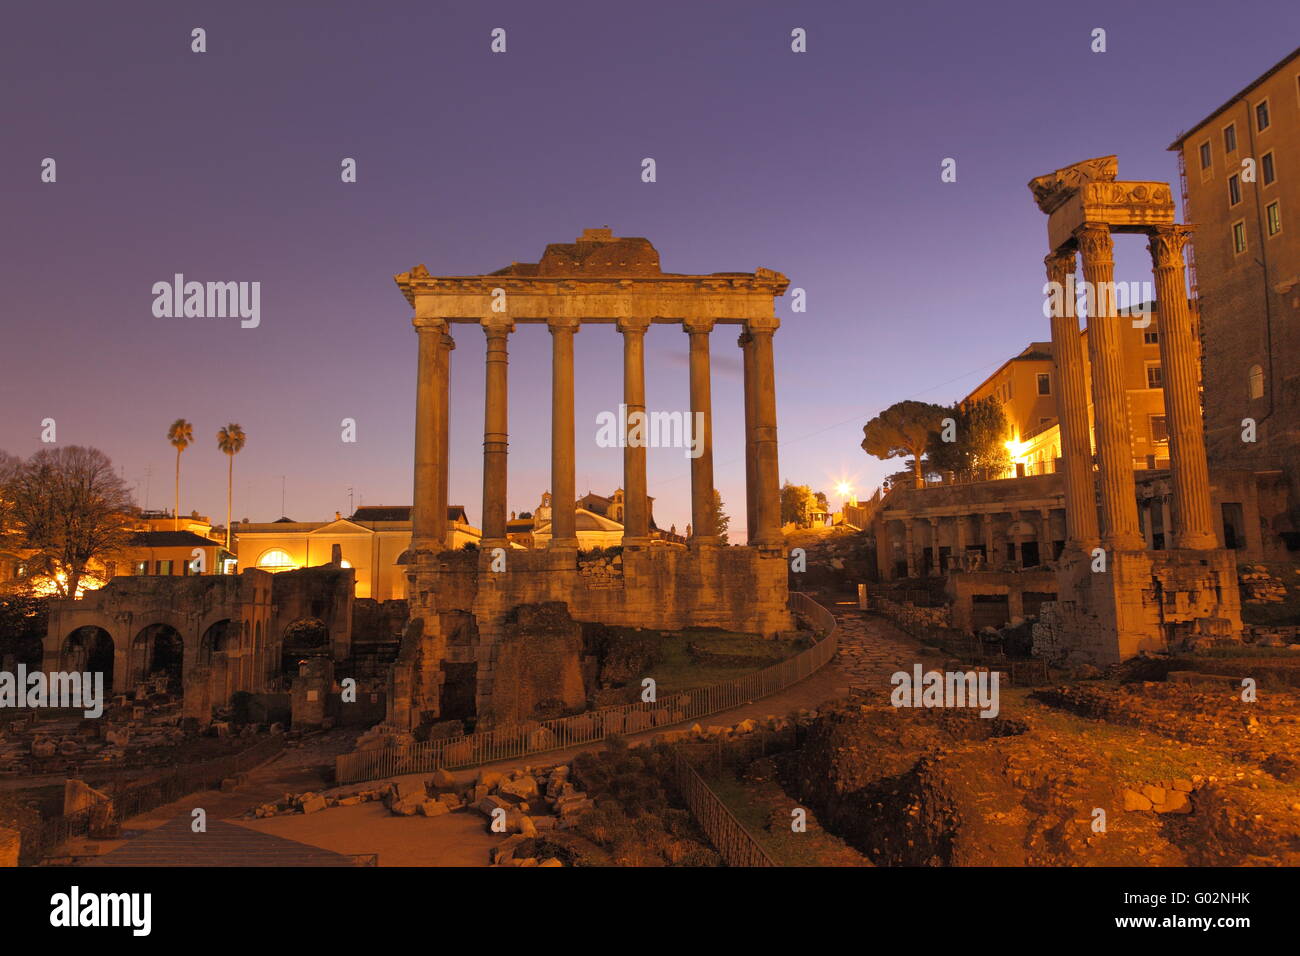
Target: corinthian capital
{"points": [[1060, 265], [1166, 245], [632, 323], [697, 325], [1095, 243]]}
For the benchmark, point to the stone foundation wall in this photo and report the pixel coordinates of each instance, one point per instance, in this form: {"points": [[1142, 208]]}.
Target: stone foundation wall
{"points": [[736, 588]]}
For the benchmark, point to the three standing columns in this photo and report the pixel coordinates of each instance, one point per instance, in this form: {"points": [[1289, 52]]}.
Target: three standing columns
{"points": [[703, 512], [1072, 405], [636, 510], [429, 511], [495, 433], [1194, 527], [1119, 524], [564, 491]]}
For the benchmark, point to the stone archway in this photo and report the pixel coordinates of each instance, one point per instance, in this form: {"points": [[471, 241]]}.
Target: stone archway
{"points": [[90, 649], [304, 638], [157, 649]]}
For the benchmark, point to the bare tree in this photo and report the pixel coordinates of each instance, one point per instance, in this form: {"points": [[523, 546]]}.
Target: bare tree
{"points": [[70, 508]]}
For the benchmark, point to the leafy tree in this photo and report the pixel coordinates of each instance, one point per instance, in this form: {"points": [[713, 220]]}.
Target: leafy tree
{"points": [[979, 449], [796, 501], [721, 520], [903, 429], [181, 436], [231, 441], [70, 508]]}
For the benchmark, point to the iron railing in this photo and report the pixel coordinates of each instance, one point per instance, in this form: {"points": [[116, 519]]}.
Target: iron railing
{"points": [[728, 836], [520, 740]]}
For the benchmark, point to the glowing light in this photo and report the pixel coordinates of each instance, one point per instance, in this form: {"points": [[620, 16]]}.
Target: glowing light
{"points": [[844, 489]]}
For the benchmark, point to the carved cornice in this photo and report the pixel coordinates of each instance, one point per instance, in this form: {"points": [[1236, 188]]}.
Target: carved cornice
{"points": [[1054, 188]]}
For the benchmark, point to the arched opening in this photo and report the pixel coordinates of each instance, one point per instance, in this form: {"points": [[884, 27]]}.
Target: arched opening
{"points": [[90, 649], [219, 644], [158, 651], [304, 638], [1255, 381], [276, 559]]}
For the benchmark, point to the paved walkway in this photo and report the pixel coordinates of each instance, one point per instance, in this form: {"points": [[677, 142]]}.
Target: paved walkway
{"points": [[870, 650], [222, 844]]}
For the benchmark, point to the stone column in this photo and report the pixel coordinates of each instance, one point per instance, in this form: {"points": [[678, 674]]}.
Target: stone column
{"points": [[746, 343], [960, 550], [430, 394], [936, 563], [563, 483], [1072, 409], [990, 552], [1148, 531], [1179, 363], [910, 544], [703, 513], [444, 458], [495, 432], [1109, 396], [766, 467], [1166, 523], [636, 512], [1045, 535]]}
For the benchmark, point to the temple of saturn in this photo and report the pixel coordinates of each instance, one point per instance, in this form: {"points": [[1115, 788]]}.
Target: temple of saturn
{"points": [[1116, 598], [468, 638]]}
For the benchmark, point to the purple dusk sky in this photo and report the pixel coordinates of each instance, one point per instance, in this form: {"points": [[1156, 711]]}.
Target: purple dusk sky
{"points": [[825, 166]]}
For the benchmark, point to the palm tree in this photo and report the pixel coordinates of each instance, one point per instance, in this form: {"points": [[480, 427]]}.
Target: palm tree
{"points": [[181, 434], [231, 441]]}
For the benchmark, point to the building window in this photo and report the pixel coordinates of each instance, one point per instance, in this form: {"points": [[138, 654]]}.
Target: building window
{"points": [[1267, 169], [1234, 189], [1205, 155], [1255, 382], [275, 559], [1159, 430], [1151, 337], [141, 567], [1044, 383], [164, 567], [1239, 237], [1274, 218], [1155, 376], [110, 570], [1261, 115], [1230, 138]]}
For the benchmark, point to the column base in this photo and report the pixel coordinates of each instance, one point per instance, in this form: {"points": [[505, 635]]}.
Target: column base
{"points": [[562, 544], [1124, 543], [487, 544], [1200, 541], [637, 542], [704, 542]]}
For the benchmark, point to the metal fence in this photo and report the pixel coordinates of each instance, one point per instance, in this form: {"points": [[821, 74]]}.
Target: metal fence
{"points": [[152, 794], [520, 740], [728, 836]]}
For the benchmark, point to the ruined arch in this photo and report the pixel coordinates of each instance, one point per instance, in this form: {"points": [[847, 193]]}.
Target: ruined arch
{"points": [[158, 648], [90, 648]]}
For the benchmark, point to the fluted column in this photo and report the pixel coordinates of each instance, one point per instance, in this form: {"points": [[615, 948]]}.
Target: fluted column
{"points": [[1180, 365], [563, 483], [444, 532], [495, 432], [1072, 408], [766, 467], [430, 396], [703, 513], [746, 343], [636, 511], [1119, 525]]}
